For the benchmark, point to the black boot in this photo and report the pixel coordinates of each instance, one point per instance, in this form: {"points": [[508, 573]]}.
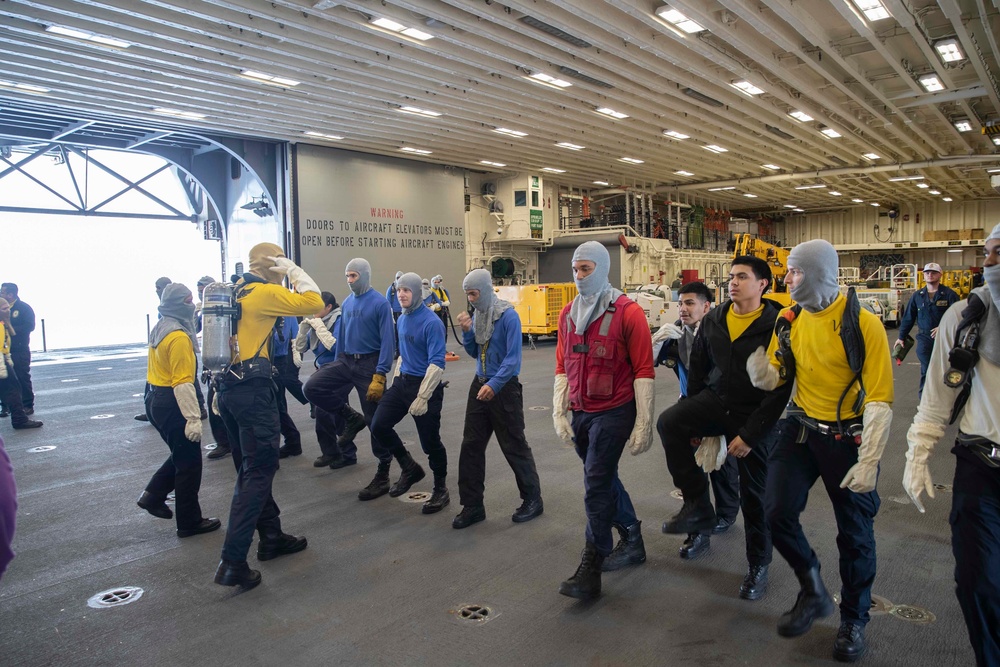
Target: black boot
{"points": [[755, 583], [412, 473], [220, 452], [203, 526], [236, 574], [695, 545], [439, 498], [813, 602], [287, 450], [586, 583], [157, 508], [850, 643], [379, 485], [696, 515], [469, 515], [274, 543], [629, 551], [355, 424]]}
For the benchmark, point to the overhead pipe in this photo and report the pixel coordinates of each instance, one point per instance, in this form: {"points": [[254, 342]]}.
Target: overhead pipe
{"points": [[840, 171]]}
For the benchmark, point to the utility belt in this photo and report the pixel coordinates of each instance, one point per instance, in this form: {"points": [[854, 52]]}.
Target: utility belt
{"points": [[849, 430], [258, 367], [987, 450], [358, 357], [483, 380]]}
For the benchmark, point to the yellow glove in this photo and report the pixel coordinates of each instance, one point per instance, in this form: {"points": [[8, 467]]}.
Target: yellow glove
{"points": [[376, 388]]}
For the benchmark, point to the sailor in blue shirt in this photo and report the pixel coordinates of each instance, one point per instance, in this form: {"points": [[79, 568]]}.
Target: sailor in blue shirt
{"points": [[926, 308], [417, 390], [495, 405], [431, 299], [364, 339]]}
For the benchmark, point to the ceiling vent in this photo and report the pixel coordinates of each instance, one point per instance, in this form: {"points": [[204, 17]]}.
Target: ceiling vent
{"points": [[569, 71], [778, 132], [555, 32], [702, 97]]}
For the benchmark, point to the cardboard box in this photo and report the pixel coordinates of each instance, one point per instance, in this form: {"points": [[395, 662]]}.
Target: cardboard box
{"points": [[969, 234], [929, 235]]}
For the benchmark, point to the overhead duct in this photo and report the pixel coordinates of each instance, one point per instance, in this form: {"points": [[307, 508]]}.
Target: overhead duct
{"points": [[778, 132], [555, 32], [702, 97], [570, 72]]}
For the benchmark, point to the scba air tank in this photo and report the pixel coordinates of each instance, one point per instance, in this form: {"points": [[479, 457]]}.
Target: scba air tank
{"points": [[218, 316]]}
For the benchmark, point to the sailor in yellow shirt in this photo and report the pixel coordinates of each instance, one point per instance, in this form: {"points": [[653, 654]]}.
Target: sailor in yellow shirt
{"points": [[248, 404], [10, 388], [172, 407], [829, 433]]}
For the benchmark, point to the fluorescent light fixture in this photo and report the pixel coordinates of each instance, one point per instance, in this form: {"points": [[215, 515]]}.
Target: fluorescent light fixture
{"points": [[87, 36], [676, 135], [875, 204], [800, 116], [269, 78], [931, 83], [873, 10], [320, 135], [871, 156], [858, 201], [810, 187], [747, 194], [554, 170], [29, 87], [731, 187], [683, 173], [417, 151], [509, 132], [392, 26], [963, 126], [747, 87], [923, 185], [993, 171], [830, 132], [604, 183], [178, 113], [417, 34], [949, 50], [630, 160], [955, 250], [945, 198], [492, 164], [934, 192], [905, 178], [835, 193], [416, 111], [617, 115], [572, 147], [674, 17], [772, 167], [543, 78], [996, 141], [715, 149], [799, 210], [789, 205]]}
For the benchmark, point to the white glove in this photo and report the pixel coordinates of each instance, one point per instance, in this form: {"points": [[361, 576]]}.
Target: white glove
{"points": [[300, 280], [215, 405], [863, 474], [3, 368], [762, 374], [397, 369], [642, 432], [921, 439], [325, 337], [296, 358], [711, 453], [898, 343], [668, 331], [8, 359], [560, 403], [446, 303], [432, 378], [187, 401], [435, 306]]}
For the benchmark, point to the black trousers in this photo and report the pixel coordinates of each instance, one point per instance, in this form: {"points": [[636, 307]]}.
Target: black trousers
{"points": [[21, 356], [330, 386], [925, 347], [395, 405], [726, 489], [10, 391], [250, 412], [329, 426], [503, 415], [181, 472], [975, 541], [288, 377], [215, 423], [288, 429], [704, 414], [795, 468]]}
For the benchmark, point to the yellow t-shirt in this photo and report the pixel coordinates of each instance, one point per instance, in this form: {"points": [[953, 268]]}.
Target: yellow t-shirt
{"points": [[737, 324], [261, 304], [821, 368], [171, 362], [4, 339]]}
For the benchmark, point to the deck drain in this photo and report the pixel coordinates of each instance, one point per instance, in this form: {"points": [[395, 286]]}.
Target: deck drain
{"points": [[943, 487], [913, 614], [676, 493], [43, 448], [210, 447], [415, 497], [115, 597], [539, 407], [102, 416], [474, 614]]}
